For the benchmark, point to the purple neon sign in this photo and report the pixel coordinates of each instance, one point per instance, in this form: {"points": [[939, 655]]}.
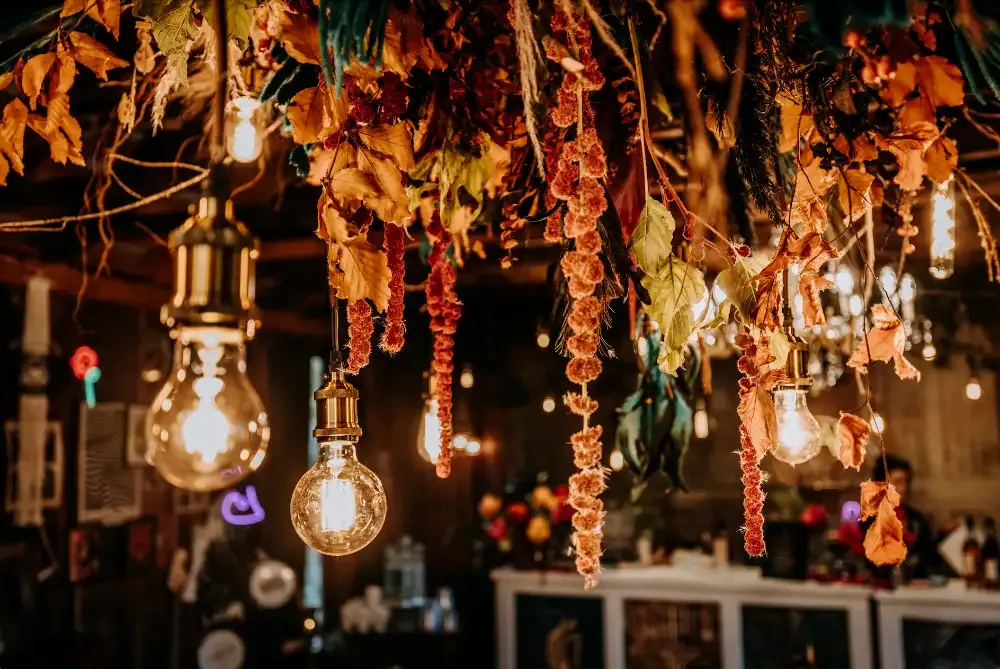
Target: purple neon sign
{"points": [[242, 509]]}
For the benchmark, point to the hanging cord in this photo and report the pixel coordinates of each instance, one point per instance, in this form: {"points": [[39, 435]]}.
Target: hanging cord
{"points": [[221, 84], [336, 360]]}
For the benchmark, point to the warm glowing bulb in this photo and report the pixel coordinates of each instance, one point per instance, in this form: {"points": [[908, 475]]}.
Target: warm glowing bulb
{"points": [[460, 442], [701, 423], [338, 506], [799, 437], [844, 280], [548, 405], [473, 447], [429, 433], [207, 428], [309, 624], [245, 140], [887, 279], [856, 305], [617, 460], [467, 379], [929, 352], [542, 339], [907, 288], [942, 231], [878, 423], [973, 390]]}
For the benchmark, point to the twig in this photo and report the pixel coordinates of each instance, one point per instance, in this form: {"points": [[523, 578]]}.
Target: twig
{"points": [[605, 35]]}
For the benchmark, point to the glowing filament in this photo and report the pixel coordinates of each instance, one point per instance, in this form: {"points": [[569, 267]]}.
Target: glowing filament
{"points": [[338, 508], [943, 231]]}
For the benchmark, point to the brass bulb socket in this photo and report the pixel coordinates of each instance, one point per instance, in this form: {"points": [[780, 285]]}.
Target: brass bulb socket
{"points": [[337, 410], [214, 266], [796, 365]]}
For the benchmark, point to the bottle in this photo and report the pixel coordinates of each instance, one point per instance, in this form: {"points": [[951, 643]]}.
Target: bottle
{"points": [[991, 557], [971, 555], [720, 546]]}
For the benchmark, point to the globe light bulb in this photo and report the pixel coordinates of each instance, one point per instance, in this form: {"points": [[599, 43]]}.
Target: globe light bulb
{"points": [[929, 352], [467, 379], [429, 433], [548, 405], [244, 139], [799, 436], [701, 420], [844, 280], [543, 339], [473, 447], [338, 506], [973, 389], [878, 423], [207, 428], [617, 460]]}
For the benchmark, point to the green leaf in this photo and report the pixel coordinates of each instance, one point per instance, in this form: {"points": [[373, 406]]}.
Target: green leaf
{"points": [[651, 239], [673, 290], [239, 17], [738, 284], [173, 30]]}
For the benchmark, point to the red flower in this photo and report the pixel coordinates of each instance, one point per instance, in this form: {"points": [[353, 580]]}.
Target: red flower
{"points": [[813, 516], [498, 529], [518, 512], [562, 514]]}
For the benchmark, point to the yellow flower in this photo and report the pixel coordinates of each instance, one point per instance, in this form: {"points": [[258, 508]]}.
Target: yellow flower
{"points": [[489, 506], [539, 530], [542, 498]]}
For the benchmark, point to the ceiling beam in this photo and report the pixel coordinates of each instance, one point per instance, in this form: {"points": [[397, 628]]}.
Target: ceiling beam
{"points": [[67, 280]]}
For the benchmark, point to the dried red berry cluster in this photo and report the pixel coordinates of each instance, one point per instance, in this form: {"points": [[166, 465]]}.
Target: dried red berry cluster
{"points": [[752, 478], [395, 328], [576, 177], [445, 310], [359, 334], [392, 104], [363, 109]]}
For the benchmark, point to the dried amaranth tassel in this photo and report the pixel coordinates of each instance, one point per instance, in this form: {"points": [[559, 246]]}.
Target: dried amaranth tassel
{"points": [[350, 28]]}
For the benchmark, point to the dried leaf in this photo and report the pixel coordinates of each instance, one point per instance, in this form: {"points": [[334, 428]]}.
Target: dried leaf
{"points": [[811, 252], [61, 131], [366, 272], [300, 37], [308, 115], [794, 124], [885, 341], [809, 203], [105, 12], [331, 226], [351, 183], [756, 407], [173, 29], [651, 239], [6, 80], [908, 146], [392, 140], [873, 493], [673, 290], [884, 543], [739, 285], [941, 158], [71, 7], [941, 81], [902, 85], [239, 16], [391, 204], [93, 55], [854, 187], [15, 117], [853, 433], [145, 56], [61, 76], [34, 74]]}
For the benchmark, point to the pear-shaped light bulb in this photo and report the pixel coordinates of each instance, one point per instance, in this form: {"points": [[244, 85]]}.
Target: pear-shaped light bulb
{"points": [[973, 389], [244, 138], [799, 436], [338, 506], [617, 460], [207, 428]]}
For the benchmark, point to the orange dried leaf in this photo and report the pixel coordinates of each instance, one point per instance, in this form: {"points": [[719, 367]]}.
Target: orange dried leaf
{"points": [[351, 183], [884, 542], [873, 493], [391, 140], [300, 37], [105, 12], [71, 7], [853, 433], [391, 204], [941, 158], [794, 123], [34, 74], [900, 86], [366, 272], [93, 55], [941, 81], [908, 146], [854, 188], [812, 184], [307, 114], [885, 341]]}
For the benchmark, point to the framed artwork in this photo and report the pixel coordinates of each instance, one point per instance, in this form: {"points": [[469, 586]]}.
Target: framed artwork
{"points": [[777, 637], [672, 635], [109, 491], [559, 632], [135, 445], [52, 481]]}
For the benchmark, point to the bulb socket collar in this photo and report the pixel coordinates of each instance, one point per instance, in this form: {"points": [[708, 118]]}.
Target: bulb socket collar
{"points": [[337, 410], [214, 265], [796, 365]]}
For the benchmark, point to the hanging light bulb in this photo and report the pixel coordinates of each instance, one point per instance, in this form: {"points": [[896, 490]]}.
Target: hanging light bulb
{"points": [[844, 280], [798, 432], [338, 506], [548, 405], [542, 338], [928, 352], [617, 460], [700, 419], [856, 305], [887, 279], [878, 423], [207, 428], [244, 138], [467, 379], [973, 389], [429, 433], [473, 447], [943, 230]]}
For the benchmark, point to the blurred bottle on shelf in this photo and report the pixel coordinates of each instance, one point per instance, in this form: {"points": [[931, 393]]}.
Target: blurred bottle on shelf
{"points": [[991, 557], [971, 555]]}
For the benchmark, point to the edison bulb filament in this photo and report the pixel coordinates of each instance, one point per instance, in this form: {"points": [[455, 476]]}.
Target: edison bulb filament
{"points": [[338, 506], [245, 141], [799, 437]]}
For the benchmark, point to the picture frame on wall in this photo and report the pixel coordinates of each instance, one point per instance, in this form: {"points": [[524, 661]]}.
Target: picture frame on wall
{"points": [[109, 491], [53, 462]]}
